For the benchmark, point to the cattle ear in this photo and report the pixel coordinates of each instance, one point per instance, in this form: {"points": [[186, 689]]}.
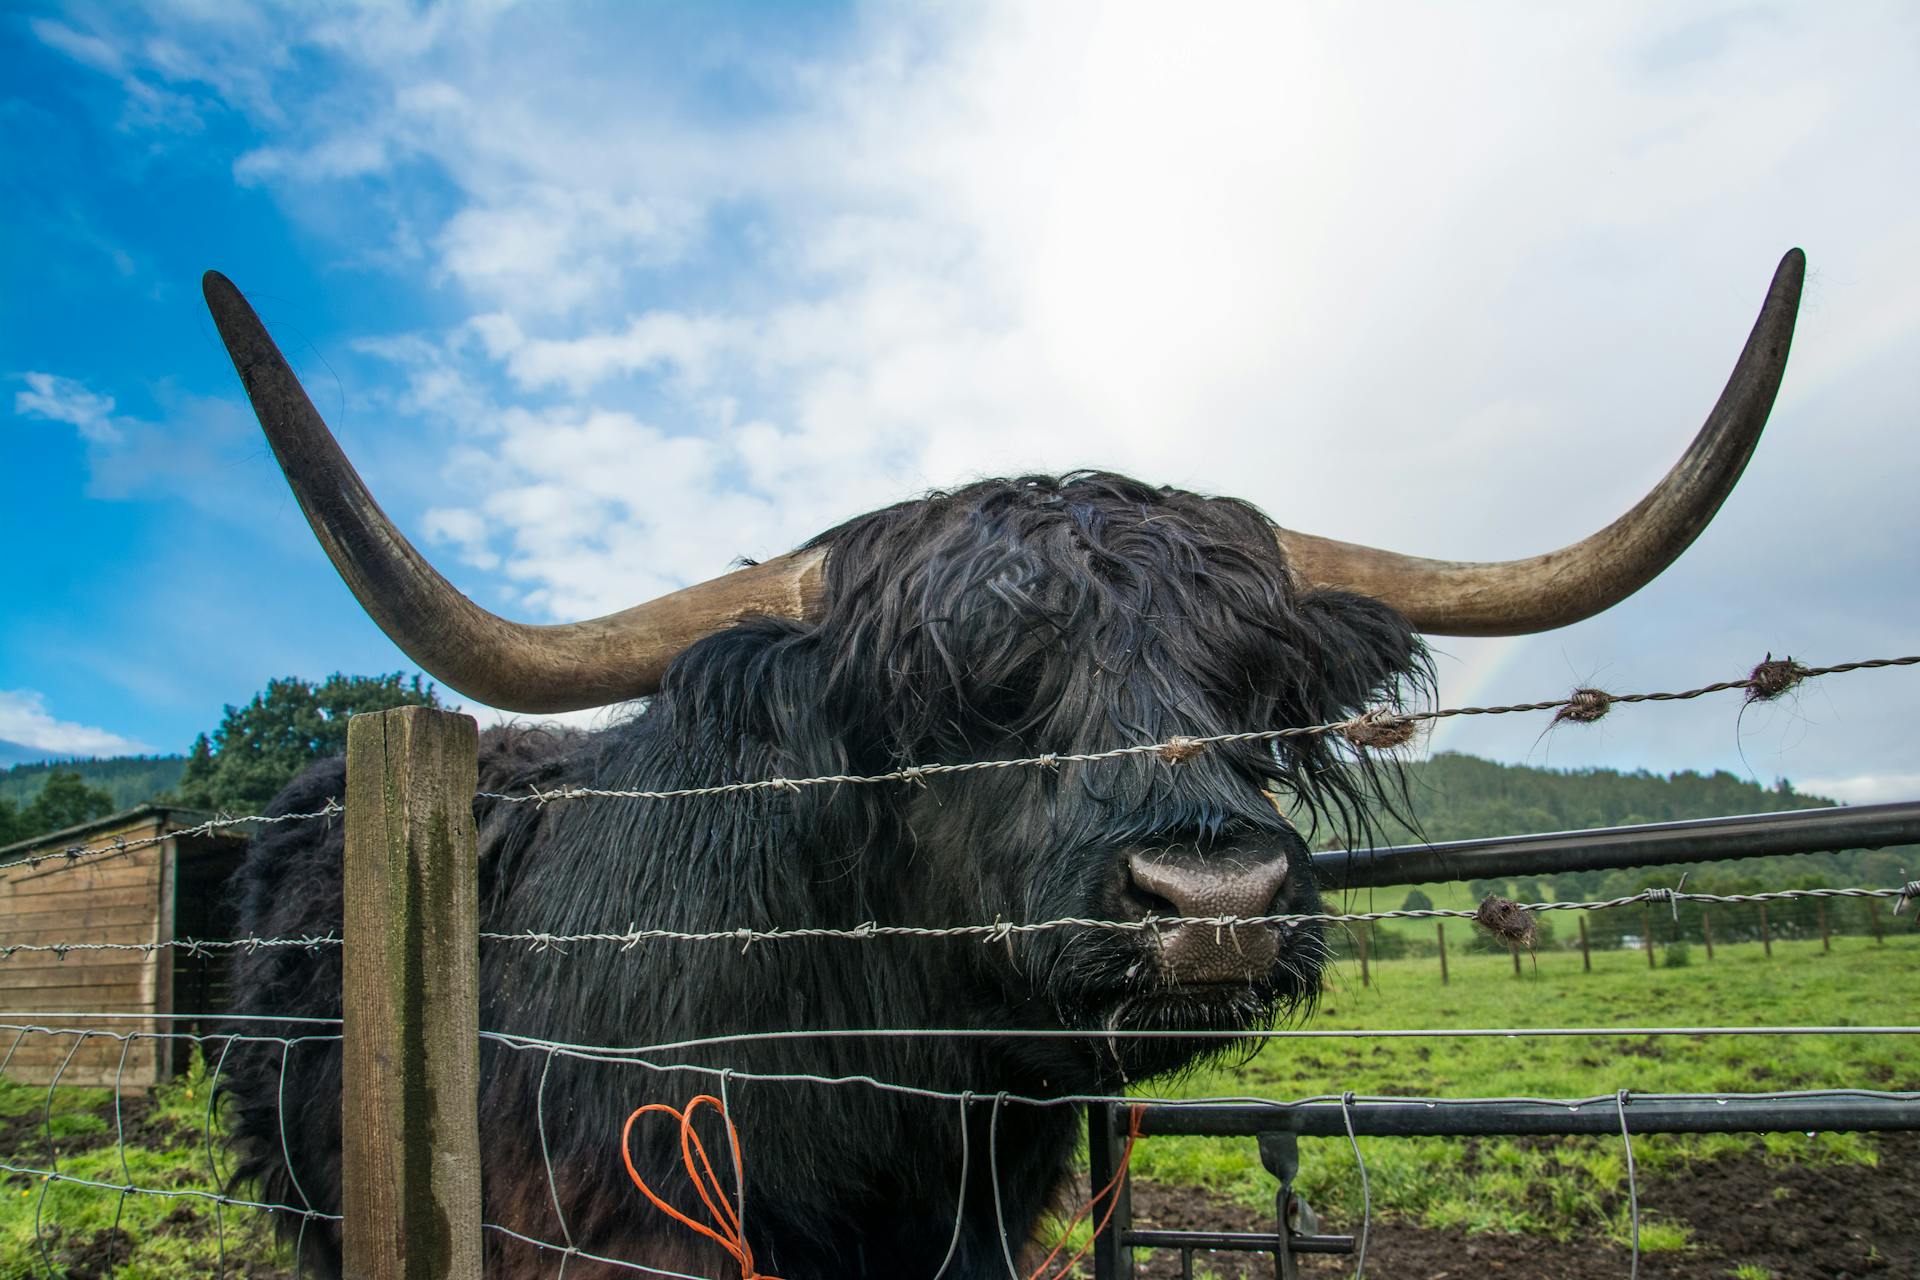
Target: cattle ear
{"points": [[758, 689], [1361, 653], [1354, 653]]}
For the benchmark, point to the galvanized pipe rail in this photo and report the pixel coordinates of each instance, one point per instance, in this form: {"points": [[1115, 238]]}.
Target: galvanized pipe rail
{"points": [[1520, 1117], [1760, 835]]}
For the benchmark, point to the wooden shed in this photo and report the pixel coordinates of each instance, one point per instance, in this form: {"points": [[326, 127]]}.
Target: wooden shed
{"points": [[146, 877]]}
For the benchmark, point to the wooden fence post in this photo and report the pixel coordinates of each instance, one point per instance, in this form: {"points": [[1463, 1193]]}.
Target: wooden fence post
{"points": [[1706, 930], [1646, 928], [1873, 921], [1826, 938], [410, 1138], [1766, 936], [1440, 928], [1586, 955], [1360, 936]]}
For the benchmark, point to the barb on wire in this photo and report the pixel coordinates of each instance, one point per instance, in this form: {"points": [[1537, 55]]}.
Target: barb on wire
{"points": [[1377, 728], [96, 852]]}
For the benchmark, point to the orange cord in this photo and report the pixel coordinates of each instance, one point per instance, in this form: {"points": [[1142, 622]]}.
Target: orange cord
{"points": [[693, 1155], [1111, 1191]]}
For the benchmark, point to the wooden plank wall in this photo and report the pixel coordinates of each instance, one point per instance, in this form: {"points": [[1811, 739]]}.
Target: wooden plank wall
{"points": [[116, 898]]}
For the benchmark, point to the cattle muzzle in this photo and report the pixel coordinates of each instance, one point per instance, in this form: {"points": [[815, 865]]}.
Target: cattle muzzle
{"points": [[1237, 883]]}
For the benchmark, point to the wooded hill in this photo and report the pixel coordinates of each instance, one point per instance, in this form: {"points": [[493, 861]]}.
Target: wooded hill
{"points": [[130, 780]]}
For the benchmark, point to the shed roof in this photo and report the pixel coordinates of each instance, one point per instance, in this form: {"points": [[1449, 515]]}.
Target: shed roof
{"points": [[165, 817]]}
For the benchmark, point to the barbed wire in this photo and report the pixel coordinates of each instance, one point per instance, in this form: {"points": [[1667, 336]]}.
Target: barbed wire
{"points": [[116, 847], [1375, 728], [998, 931], [1378, 727]]}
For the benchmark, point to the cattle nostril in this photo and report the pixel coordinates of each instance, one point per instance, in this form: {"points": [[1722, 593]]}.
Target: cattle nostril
{"points": [[1213, 885]]}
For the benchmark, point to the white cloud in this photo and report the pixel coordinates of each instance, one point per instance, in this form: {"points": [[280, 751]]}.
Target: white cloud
{"points": [[1458, 280], [24, 719], [59, 399], [1874, 788]]}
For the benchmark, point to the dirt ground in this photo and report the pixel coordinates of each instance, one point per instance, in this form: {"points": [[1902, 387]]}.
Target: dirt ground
{"points": [[1820, 1223]]}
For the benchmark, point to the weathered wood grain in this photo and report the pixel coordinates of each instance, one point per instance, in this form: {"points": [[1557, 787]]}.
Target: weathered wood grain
{"points": [[409, 1102]]}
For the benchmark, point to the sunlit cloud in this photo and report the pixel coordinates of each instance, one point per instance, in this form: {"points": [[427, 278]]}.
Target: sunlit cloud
{"points": [[24, 719]]}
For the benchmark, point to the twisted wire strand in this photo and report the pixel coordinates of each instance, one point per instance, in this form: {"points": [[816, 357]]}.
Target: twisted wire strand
{"points": [[114, 848], [997, 931], [1363, 729]]}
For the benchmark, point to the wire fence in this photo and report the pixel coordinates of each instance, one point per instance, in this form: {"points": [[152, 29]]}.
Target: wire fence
{"points": [[1376, 728], [59, 1041], [1359, 1114]]}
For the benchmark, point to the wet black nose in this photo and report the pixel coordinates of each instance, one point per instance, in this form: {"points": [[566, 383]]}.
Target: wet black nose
{"points": [[1230, 884], [1213, 885]]}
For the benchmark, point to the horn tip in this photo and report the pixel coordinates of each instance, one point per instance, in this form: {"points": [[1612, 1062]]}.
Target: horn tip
{"points": [[1793, 266]]}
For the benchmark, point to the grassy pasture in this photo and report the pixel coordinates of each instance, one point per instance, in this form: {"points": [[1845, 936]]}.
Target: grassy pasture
{"points": [[1560, 1187]]}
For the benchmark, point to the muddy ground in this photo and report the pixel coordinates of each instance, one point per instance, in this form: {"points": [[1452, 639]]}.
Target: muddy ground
{"points": [[1793, 1221]]}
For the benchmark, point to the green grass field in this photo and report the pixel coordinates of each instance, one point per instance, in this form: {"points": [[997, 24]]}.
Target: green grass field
{"points": [[1550, 1187]]}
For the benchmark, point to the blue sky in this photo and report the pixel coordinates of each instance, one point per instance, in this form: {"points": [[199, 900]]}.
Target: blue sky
{"points": [[600, 297]]}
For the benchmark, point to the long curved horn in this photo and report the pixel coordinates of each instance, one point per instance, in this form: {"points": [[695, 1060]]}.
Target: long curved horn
{"points": [[1515, 597], [511, 665]]}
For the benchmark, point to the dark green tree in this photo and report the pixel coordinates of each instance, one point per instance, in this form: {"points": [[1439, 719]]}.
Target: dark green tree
{"points": [[1417, 901], [10, 828], [65, 801], [261, 747]]}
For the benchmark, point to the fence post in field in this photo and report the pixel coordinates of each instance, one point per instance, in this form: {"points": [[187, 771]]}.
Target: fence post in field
{"points": [[1586, 954], [410, 1138], [1706, 930], [1826, 938], [1873, 922], [1440, 930], [1646, 930], [1360, 939], [1766, 937]]}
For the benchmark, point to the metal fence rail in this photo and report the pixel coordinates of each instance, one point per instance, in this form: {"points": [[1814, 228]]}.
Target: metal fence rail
{"points": [[1759, 835]]}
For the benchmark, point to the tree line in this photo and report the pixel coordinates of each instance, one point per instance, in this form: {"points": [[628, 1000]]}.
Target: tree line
{"points": [[254, 751]]}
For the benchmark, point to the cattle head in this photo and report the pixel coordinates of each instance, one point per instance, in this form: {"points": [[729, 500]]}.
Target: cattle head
{"points": [[1011, 618]]}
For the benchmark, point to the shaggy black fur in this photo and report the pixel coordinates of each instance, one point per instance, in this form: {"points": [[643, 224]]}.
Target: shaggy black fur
{"points": [[1006, 618]]}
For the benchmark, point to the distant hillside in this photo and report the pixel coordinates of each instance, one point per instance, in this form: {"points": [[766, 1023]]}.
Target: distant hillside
{"points": [[130, 780], [1457, 797]]}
